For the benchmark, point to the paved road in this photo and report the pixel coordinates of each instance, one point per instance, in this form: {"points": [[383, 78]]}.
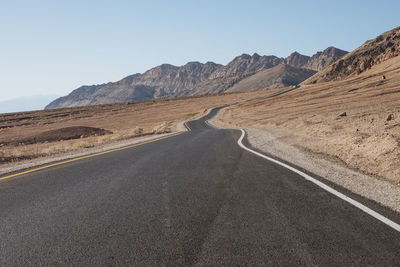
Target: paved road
{"points": [[193, 199]]}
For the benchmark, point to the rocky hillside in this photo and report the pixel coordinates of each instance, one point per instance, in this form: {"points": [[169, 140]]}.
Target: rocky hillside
{"points": [[318, 61], [194, 78], [297, 60], [239, 68], [162, 81], [322, 59], [372, 52], [279, 76]]}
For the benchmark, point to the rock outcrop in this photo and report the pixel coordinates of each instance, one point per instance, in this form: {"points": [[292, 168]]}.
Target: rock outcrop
{"points": [[372, 52], [322, 59]]}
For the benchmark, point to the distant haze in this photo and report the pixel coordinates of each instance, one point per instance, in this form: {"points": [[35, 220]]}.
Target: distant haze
{"points": [[27, 103]]}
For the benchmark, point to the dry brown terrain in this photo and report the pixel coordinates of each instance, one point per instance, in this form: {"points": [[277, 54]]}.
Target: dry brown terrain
{"points": [[30, 135], [366, 137], [348, 112]]}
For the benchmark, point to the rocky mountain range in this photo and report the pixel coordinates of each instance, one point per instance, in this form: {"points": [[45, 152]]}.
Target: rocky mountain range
{"points": [[372, 52], [243, 73]]}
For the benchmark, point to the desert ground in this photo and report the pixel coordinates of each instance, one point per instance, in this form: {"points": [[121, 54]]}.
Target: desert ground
{"points": [[28, 136], [354, 122]]}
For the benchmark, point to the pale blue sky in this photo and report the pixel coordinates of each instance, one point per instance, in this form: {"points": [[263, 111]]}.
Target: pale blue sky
{"points": [[53, 47]]}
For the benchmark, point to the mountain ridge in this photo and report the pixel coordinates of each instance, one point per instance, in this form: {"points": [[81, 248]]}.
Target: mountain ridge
{"points": [[195, 78]]}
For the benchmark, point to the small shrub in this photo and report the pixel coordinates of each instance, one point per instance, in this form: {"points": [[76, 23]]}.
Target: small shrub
{"points": [[138, 131], [162, 128]]}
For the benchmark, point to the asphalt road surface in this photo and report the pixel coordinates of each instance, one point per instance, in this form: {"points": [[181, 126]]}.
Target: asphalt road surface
{"points": [[192, 199]]}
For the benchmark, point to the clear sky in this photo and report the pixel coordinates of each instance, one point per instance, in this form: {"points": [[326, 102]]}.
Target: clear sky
{"points": [[53, 47]]}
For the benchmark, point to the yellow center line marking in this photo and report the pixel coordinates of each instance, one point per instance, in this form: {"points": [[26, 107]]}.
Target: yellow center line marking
{"points": [[187, 126], [88, 156]]}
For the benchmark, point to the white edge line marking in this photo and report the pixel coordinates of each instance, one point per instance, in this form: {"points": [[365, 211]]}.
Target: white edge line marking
{"points": [[353, 202]]}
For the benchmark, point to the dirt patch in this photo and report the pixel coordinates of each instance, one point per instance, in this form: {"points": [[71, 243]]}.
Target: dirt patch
{"points": [[4, 160], [67, 133]]}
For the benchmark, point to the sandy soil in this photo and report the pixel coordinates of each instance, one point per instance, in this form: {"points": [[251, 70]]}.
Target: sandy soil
{"points": [[367, 138]]}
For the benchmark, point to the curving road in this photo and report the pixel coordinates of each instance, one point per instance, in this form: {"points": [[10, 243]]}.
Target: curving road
{"points": [[193, 199]]}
